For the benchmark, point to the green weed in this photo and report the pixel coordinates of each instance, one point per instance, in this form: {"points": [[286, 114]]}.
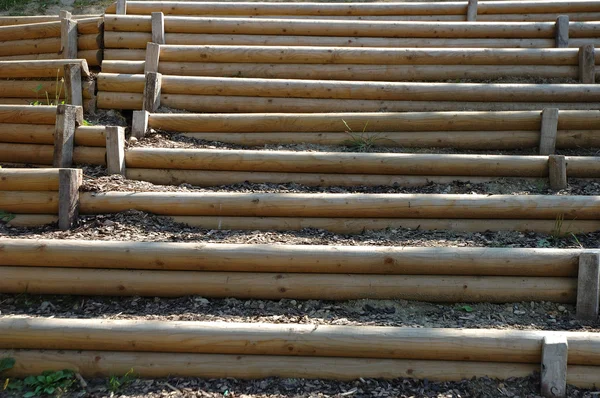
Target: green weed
{"points": [[6, 217], [115, 383], [361, 142], [60, 85]]}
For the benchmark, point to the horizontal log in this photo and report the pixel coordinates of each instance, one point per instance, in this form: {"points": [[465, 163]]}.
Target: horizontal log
{"points": [[228, 104], [90, 136], [37, 89], [489, 345], [110, 82], [40, 30], [344, 205], [29, 179], [89, 24], [155, 365], [584, 29], [359, 225], [119, 66], [30, 57], [344, 163], [290, 258], [206, 178], [28, 114], [582, 166], [29, 19], [89, 155], [363, 122], [289, 88], [370, 56], [34, 46], [27, 133], [424, 29], [537, 17], [32, 220], [39, 69], [569, 139], [108, 100], [43, 154], [91, 41], [274, 286], [93, 57], [29, 202]]}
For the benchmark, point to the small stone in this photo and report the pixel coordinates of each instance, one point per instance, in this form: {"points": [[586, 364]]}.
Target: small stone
{"points": [[45, 305], [201, 301], [520, 312], [293, 302], [561, 308], [133, 140]]}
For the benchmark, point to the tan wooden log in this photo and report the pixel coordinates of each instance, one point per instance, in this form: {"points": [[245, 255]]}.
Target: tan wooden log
{"points": [[93, 136], [27, 88], [89, 155], [359, 225], [290, 340], [581, 166], [39, 202], [30, 46], [290, 258], [27, 133], [362, 90], [538, 17], [367, 122], [89, 24], [29, 179], [91, 41], [577, 138], [128, 67], [154, 365], [28, 114], [32, 220], [93, 57], [584, 29], [30, 57], [29, 19], [131, 55], [244, 285], [89, 89], [129, 40], [340, 162], [217, 178], [40, 30], [109, 82], [345, 205], [39, 69], [375, 56], [108, 100]]}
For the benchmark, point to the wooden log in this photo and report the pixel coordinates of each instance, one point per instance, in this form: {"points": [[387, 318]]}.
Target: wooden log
{"points": [[131, 55], [68, 197], [548, 131], [487, 345], [89, 24], [33, 89], [217, 178], [32, 220], [577, 139], [29, 19], [27, 133], [578, 120], [29, 179], [291, 258], [375, 56], [367, 122], [108, 82], [73, 90], [108, 100], [93, 57], [587, 68], [115, 150], [130, 40], [121, 8], [39, 69], [69, 39], [344, 205], [472, 10], [128, 67], [31, 46], [245, 285], [67, 120], [561, 31], [338, 162], [584, 29], [139, 124], [88, 89], [153, 52], [89, 155], [91, 41], [30, 57], [557, 171], [29, 202], [359, 225], [41, 30], [538, 17], [27, 154], [158, 28], [152, 92], [421, 29], [155, 365], [90, 136], [588, 287], [555, 350]]}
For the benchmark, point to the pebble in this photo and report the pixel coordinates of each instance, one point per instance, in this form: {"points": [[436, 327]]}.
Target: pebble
{"points": [[561, 308], [520, 312]]}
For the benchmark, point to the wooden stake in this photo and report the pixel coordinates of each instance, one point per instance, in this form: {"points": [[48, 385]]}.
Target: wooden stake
{"points": [[548, 131], [68, 197], [554, 366], [557, 171], [115, 150], [152, 90], [587, 67], [561, 31], [139, 124], [472, 10], [121, 7], [72, 75], [588, 286], [158, 28], [152, 58], [68, 37], [67, 119]]}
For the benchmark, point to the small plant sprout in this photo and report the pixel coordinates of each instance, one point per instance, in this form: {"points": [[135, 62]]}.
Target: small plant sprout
{"points": [[361, 142]]}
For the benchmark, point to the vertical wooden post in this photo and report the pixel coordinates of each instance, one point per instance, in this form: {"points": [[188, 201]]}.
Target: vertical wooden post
{"points": [[152, 92], [588, 286], [561, 31], [115, 150], [121, 7], [158, 28], [67, 119], [68, 197], [472, 10], [557, 172], [139, 124], [587, 64], [68, 36], [548, 131], [72, 74], [554, 366], [152, 57]]}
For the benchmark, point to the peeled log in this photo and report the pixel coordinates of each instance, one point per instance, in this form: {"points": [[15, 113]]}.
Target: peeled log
{"points": [[28, 180], [40, 30], [28, 202], [39, 69], [28, 114], [27, 133], [33, 46], [26, 153]]}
